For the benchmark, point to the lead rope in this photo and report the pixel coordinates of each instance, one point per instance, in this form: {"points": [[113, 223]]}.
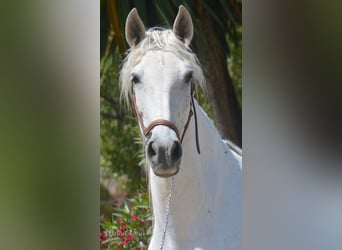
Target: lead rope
{"points": [[167, 213]]}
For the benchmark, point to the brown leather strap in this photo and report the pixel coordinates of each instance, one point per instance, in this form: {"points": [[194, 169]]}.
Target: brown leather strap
{"points": [[196, 125], [147, 130], [186, 125], [136, 113], [157, 122]]}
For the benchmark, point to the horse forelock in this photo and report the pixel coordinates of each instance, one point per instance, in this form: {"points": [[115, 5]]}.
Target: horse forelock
{"points": [[163, 40]]}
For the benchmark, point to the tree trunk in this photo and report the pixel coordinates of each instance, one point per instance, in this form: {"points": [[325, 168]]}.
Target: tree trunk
{"points": [[222, 95]]}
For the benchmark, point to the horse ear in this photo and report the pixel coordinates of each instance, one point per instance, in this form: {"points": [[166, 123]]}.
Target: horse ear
{"points": [[183, 27], [135, 29]]}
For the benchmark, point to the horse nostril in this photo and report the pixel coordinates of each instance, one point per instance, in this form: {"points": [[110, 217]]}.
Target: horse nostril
{"points": [[176, 151], [150, 150]]}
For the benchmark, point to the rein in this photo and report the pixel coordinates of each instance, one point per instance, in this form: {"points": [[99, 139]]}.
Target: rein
{"points": [[147, 130]]}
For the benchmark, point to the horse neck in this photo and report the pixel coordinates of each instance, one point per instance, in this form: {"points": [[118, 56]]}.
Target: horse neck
{"points": [[199, 185]]}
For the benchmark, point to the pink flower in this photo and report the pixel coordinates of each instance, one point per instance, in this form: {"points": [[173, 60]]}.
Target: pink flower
{"points": [[134, 218], [119, 233], [122, 243], [129, 238], [103, 236], [122, 227]]}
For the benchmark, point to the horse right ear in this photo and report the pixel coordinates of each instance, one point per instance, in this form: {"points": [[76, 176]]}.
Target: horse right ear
{"points": [[135, 29]]}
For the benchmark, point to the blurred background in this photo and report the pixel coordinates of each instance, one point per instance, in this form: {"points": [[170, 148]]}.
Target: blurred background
{"points": [[50, 135]]}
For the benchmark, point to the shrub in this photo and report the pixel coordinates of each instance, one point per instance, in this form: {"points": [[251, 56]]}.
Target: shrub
{"points": [[130, 226]]}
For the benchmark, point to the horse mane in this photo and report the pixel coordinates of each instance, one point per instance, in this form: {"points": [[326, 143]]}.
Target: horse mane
{"points": [[157, 39]]}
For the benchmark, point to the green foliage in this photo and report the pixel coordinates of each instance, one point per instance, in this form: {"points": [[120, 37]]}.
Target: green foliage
{"points": [[120, 154], [203, 99], [227, 15], [130, 226]]}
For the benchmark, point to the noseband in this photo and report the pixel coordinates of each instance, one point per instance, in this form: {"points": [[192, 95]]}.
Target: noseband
{"points": [[147, 130]]}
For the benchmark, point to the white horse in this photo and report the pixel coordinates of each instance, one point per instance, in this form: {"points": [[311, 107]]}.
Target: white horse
{"points": [[195, 181]]}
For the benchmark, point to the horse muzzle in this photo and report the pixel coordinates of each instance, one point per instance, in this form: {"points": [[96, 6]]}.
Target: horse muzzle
{"points": [[164, 156]]}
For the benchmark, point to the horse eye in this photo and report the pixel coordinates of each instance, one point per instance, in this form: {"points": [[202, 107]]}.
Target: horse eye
{"points": [[135, 79], [188, 77]]}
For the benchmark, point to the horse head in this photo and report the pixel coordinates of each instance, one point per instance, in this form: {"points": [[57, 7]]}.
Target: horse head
{"points": [[160, 68]]}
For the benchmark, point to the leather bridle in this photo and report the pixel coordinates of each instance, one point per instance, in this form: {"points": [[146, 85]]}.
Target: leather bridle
{"points": [[147, 130]]}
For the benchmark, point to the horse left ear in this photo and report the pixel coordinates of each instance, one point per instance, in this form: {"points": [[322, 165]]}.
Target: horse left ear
{"points": [[183, 27], [135, 29]]}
